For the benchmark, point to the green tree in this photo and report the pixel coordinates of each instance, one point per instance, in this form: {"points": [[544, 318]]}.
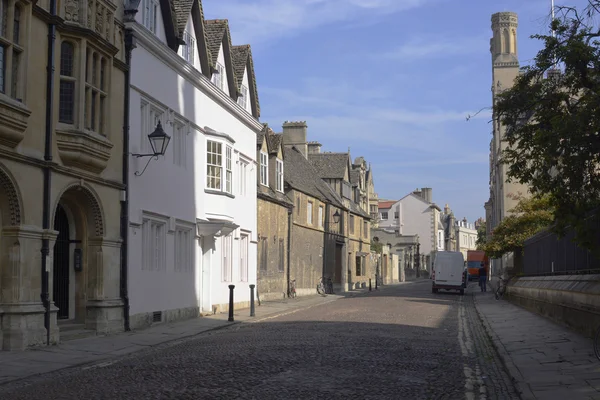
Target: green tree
{"points": [[531, 215], [481, 236], [552, 120]]}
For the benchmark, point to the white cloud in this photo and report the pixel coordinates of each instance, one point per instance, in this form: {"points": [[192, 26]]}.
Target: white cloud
{"points": [[262, 20], [417, 48]]}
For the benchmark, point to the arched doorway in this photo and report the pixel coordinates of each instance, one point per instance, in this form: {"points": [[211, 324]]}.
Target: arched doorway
{"points": [[77, 267], [62, 263]]}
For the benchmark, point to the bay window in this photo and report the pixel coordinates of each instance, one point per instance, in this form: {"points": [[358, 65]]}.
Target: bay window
{"points": [[219, 163]]}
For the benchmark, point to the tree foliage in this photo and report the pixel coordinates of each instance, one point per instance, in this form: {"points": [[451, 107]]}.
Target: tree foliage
{"points": [[552, 121], [531, 215], [481, 236]]}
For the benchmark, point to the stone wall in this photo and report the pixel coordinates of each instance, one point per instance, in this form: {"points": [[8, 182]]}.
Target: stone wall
{"points": [[272, 250], [571, 300]]}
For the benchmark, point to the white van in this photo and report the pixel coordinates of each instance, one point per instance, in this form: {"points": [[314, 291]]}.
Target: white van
{"points": [[449, 272]]}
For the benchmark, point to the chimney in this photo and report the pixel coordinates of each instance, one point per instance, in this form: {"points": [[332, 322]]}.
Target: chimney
{"points": [[418, 192], [294, 134], [314, 147], [426, 194]]}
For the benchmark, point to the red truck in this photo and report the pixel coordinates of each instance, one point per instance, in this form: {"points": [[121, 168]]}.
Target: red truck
{"points": [[474, 260]]}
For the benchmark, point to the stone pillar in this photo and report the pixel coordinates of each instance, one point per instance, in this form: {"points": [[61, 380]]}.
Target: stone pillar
{"points": [[345, 276], [104, 306], [21, 308]]}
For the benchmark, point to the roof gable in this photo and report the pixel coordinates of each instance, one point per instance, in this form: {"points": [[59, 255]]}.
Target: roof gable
{"points": [[199, 28], [217, 34], [168, 10], [241, 57]]}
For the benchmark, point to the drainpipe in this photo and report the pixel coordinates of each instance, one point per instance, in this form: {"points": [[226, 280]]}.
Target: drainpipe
{"points": [[289, 247], [45, 293], [124, 289]]}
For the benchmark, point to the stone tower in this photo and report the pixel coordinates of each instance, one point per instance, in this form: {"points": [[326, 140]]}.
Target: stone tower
{"points": [[505, 69]]}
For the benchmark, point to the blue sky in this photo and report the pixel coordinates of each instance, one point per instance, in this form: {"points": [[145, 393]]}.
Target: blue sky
{"points": [[393, 80]]}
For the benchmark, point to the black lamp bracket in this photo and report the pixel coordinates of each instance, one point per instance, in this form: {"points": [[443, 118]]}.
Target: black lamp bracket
{"points": [[137, 173]]}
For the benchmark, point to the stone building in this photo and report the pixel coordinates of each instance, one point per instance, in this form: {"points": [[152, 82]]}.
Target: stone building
{"points": [[60, 169], [274, 217], [349, 184], [505, 69]]}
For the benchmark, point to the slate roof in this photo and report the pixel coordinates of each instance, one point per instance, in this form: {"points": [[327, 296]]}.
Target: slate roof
{"points": [[241, 56], [215, 32], [182, 10], [274, 141], [301, 175], [239, 59], [354, 177], [330, 165]]}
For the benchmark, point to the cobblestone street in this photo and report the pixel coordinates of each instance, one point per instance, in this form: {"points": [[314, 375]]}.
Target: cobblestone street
{"points": [[398, 343]]}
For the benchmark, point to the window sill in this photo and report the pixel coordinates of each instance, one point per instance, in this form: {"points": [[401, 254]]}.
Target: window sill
{"points": [[219, 193], [13, 121]]}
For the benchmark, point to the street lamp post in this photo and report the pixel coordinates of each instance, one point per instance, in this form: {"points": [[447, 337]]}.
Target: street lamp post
{"points": [[159, 141]]}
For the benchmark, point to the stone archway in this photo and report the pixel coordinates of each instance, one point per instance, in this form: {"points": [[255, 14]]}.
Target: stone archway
{"points": [[78, 268]]}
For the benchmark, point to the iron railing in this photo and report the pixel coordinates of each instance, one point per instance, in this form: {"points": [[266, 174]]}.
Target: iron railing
{"points": [[547, 254]]}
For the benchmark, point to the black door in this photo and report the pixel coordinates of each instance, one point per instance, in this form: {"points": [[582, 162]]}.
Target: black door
{"points": [[61, 263], [337, 274]]}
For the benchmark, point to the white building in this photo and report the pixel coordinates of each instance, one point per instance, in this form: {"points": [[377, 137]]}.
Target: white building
{"points": [[466, 236], [415, 214], [192, 212]]}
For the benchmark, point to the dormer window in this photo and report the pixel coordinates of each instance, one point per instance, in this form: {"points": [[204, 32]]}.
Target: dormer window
{"points": [[217, 77], [149, 12], [243, 97], [264, 169], [279, 175], [187, 50]]}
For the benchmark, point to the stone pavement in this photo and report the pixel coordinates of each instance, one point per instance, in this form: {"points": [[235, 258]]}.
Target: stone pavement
{"points": [[546, 360], [102, 349]]}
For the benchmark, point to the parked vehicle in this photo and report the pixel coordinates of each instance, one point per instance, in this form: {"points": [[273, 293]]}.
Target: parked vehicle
{"points": [[449, 272], [474, 260]]}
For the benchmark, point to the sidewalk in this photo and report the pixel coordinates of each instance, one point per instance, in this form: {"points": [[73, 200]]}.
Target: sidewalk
{"points": [[88, 352], [546, 360]]}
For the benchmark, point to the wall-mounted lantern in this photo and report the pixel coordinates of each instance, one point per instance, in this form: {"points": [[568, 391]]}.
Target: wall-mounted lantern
{"points": [[159, 141]]}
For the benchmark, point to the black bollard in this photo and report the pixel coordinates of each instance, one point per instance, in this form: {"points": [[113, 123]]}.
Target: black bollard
{"points": [[231, 287], [376, 282], [252, 300], [369, 284]]}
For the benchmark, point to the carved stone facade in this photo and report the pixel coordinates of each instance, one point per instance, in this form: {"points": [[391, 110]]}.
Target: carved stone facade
{"points": [[83, 263]]}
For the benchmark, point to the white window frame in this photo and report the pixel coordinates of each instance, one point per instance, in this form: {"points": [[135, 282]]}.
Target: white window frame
{"points": [[188, 50], [184, 248], [154, 244], [227, 258], [224, 169], [217, 164], [320, 217], [243, 97], [228, 169], [243, 176], [279, 175], [384, 215], [217, 76], [149, 14], [264, 168], [244, 253], [180, 143], [309, 213]]}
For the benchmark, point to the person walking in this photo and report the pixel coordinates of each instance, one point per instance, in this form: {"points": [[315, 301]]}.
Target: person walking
{"points": [[482, 278]]}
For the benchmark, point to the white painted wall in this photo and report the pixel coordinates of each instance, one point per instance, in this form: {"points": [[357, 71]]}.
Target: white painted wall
{"points": [[177, 193], [416, 217]]}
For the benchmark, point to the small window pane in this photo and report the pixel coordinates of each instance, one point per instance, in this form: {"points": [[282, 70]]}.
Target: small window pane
{"points": [[66, 59], [66, 102]]}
